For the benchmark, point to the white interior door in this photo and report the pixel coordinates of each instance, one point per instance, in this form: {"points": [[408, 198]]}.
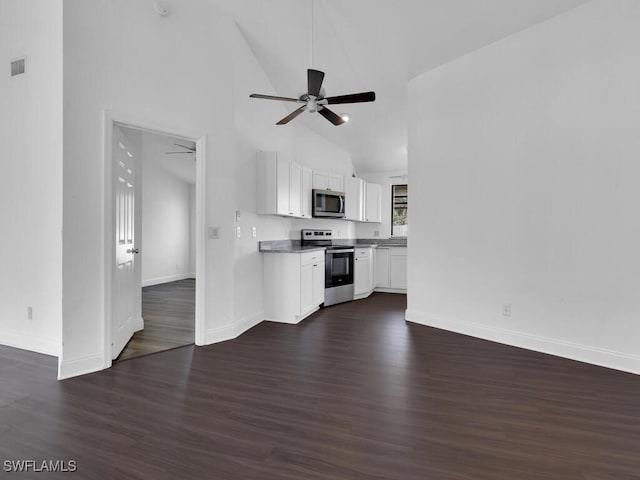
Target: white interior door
{"points": [[127, 286]]}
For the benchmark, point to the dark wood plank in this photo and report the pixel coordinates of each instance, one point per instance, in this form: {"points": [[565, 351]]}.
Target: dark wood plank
{"points": [[353, 392], [168, 310]]}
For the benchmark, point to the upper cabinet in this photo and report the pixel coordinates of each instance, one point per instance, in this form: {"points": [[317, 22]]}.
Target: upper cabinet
{"points": [[280, 186], [354, 199], [328, 181], [286, 188], [307, 186], [373, 203]]}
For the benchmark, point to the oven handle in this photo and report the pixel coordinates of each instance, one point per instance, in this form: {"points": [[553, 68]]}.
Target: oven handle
{"points": [[341, 250]]}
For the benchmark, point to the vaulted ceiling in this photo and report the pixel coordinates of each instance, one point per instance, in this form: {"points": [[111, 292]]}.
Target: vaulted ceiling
{"points": [[375, 45]]}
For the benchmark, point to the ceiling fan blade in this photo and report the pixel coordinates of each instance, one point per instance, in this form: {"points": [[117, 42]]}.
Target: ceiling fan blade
{"points": [[331, 116], [314, 82], [191, 149], [292, 115], [180, 153], [271, 97], [353, 98]]}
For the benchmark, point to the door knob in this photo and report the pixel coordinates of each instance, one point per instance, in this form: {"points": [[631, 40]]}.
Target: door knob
{"points": [[133, 250]]}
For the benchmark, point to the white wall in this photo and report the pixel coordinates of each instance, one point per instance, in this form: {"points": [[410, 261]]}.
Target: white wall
{"points": [[382, 230], [188, 72], [31, 193], [526, 156], [166, 224]]}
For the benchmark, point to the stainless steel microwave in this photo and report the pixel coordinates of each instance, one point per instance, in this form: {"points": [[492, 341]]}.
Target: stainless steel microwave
{"points": [[327, 203]]}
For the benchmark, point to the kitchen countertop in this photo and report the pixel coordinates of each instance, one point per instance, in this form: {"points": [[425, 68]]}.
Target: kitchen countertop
{"points": [[290, 249], [293, 246]]}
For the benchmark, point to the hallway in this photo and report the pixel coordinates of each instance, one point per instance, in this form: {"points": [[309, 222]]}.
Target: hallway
{"points": [[168, 310]]}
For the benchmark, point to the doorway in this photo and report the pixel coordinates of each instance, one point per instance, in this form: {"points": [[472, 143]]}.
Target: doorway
{"points": [[167, 245], [161, 215]]}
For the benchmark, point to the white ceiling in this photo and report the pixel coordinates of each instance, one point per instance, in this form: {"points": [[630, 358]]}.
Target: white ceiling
{"points": [[377, 45]]}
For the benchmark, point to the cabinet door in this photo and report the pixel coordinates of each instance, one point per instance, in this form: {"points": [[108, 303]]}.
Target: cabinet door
{"points": [[362, 276], [335, 183], [382, 267], [318, 283], [283, 180], [398, 268], [320, 181], [307, 185], [354, 199], [295, 190], [373, 202], [306, 288]]}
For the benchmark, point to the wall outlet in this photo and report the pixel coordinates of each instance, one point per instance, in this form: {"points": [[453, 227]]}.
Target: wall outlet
{"points": [[29, 313], [506, 310], [237, 216], [254, 232], [237, 232]]}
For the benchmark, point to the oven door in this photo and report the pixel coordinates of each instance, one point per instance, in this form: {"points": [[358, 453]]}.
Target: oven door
{"points": [[327, 203], [338, 268]]}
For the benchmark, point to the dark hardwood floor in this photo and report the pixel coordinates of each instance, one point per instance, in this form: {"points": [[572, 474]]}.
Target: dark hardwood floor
{"points": [[352, 392], [168, 310]]}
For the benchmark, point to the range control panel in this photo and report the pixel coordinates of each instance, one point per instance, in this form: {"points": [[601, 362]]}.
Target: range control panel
{"points": [[316, 234]]}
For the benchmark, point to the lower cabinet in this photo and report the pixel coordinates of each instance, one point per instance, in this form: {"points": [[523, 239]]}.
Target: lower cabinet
{"points": [[363, 273], [293, 285], [391, 269]]}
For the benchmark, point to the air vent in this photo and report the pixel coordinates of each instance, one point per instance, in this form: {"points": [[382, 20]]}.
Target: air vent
{"points": [[17, 67]]}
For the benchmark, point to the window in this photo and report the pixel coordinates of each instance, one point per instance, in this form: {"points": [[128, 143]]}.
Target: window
{"points": [[399, 207]]}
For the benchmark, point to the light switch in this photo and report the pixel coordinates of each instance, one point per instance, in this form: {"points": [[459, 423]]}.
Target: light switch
{"points": [[237, 232], [254, 232]]}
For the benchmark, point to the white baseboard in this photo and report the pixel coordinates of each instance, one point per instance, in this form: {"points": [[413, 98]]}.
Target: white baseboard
{"points": [[230, 332], [362, 295], [31, 343], [248, 323], [80, 366], [220, 334], [574, 351], [390, 290], [169, 278]]}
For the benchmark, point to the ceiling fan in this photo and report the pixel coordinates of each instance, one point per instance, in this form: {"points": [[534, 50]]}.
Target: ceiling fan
{"points": [[189, 150], [315, 101]]}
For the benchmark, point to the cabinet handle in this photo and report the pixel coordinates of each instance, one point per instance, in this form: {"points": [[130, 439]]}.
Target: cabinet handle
{"points": [[315, 265]]}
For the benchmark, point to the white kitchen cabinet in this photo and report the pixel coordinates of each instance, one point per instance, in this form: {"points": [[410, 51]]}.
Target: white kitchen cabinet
{"points": [[398, 268], [373, 202], [328, 181], [293, 285], [311, 283], [307, 192], [354, 199], [391, 269], [383, 257], [363, 273], [279, 185]]}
